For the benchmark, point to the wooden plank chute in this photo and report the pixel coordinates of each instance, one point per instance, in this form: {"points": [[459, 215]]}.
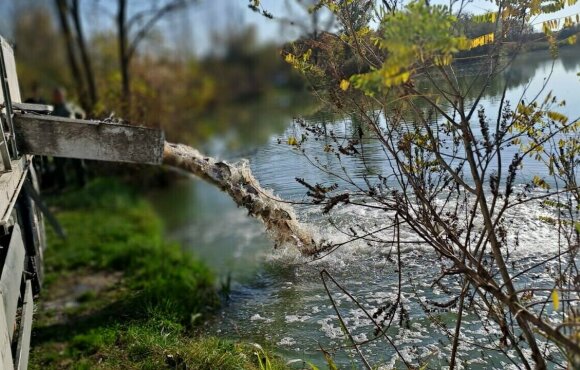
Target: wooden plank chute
{"points": [[72, 138]]}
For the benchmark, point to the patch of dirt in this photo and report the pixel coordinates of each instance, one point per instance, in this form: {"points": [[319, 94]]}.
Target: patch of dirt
{"points": [[71, 290]]}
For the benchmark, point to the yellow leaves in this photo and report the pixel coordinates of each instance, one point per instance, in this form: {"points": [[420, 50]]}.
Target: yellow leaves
{"points": [[540, 182], [363, 31], [293, 59], [558, 117], [553, 45], [391, 78], [485, 18], [535, 7], [376, 41], [525, 109], [571, 40], [331, 5], [292, 141], [443, 60], [481, 40], [467, 44], [553, 6], [344, 84], [561, 143], [302, 62], [463, 43], [555, 299], [569, 22], [507, 12], [554, 24], [290, 58]]}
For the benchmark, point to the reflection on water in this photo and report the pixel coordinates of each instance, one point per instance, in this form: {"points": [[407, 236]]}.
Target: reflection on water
{"points": [[277, 296]]}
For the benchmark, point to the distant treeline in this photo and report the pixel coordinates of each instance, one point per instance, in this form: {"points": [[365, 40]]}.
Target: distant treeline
{"points": [[329, 55], [167, 88]]}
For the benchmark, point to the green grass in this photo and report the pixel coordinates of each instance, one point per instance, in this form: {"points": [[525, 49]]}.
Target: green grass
{"points": [[151, 297]]}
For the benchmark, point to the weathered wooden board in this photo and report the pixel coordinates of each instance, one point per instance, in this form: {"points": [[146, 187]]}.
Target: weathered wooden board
{"points": [[10, 185], [11, 278], [11, 72], [30, 107], [6, 362], [23, 347], [71, 138]]}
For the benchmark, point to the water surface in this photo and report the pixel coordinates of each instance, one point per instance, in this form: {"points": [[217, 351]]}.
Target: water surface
{"points": [[277, 296]]}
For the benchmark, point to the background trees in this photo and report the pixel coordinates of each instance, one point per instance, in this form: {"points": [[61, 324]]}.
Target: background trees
{"points": [[108, 64]]}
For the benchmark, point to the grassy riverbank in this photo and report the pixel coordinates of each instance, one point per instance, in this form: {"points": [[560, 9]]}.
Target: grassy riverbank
{"points": [[117, 295]]}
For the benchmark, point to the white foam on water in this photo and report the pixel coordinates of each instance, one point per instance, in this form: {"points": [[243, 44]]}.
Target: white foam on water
{"points": [[287, 341], [330, 330], [525, 228], [296, 318], [257, 317]]}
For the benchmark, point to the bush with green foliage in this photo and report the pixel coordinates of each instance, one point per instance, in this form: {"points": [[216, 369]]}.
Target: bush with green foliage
{"points": [[146, 319]]}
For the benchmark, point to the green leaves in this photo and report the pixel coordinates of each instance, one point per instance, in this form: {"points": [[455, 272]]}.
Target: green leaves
{"points": [[419, 34]]}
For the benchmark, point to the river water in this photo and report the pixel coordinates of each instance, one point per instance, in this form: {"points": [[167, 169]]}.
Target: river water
{"points": [[276, 296]]}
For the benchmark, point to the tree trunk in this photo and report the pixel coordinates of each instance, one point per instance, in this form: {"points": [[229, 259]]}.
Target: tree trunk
{"points": [[124, 58], [86, 60], [62, 9]]}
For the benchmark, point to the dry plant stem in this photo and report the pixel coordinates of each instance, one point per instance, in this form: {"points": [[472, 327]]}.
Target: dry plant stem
{"points": [[382, 330], [499, 259], [239, 183], [343, 324], [458, 327]]}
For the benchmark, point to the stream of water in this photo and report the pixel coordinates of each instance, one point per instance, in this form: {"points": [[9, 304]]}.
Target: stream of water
{"points": [[277, 296]]}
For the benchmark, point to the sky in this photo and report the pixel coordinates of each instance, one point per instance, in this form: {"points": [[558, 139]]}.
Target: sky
{"points": [[217, 15], [193, 29]]}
